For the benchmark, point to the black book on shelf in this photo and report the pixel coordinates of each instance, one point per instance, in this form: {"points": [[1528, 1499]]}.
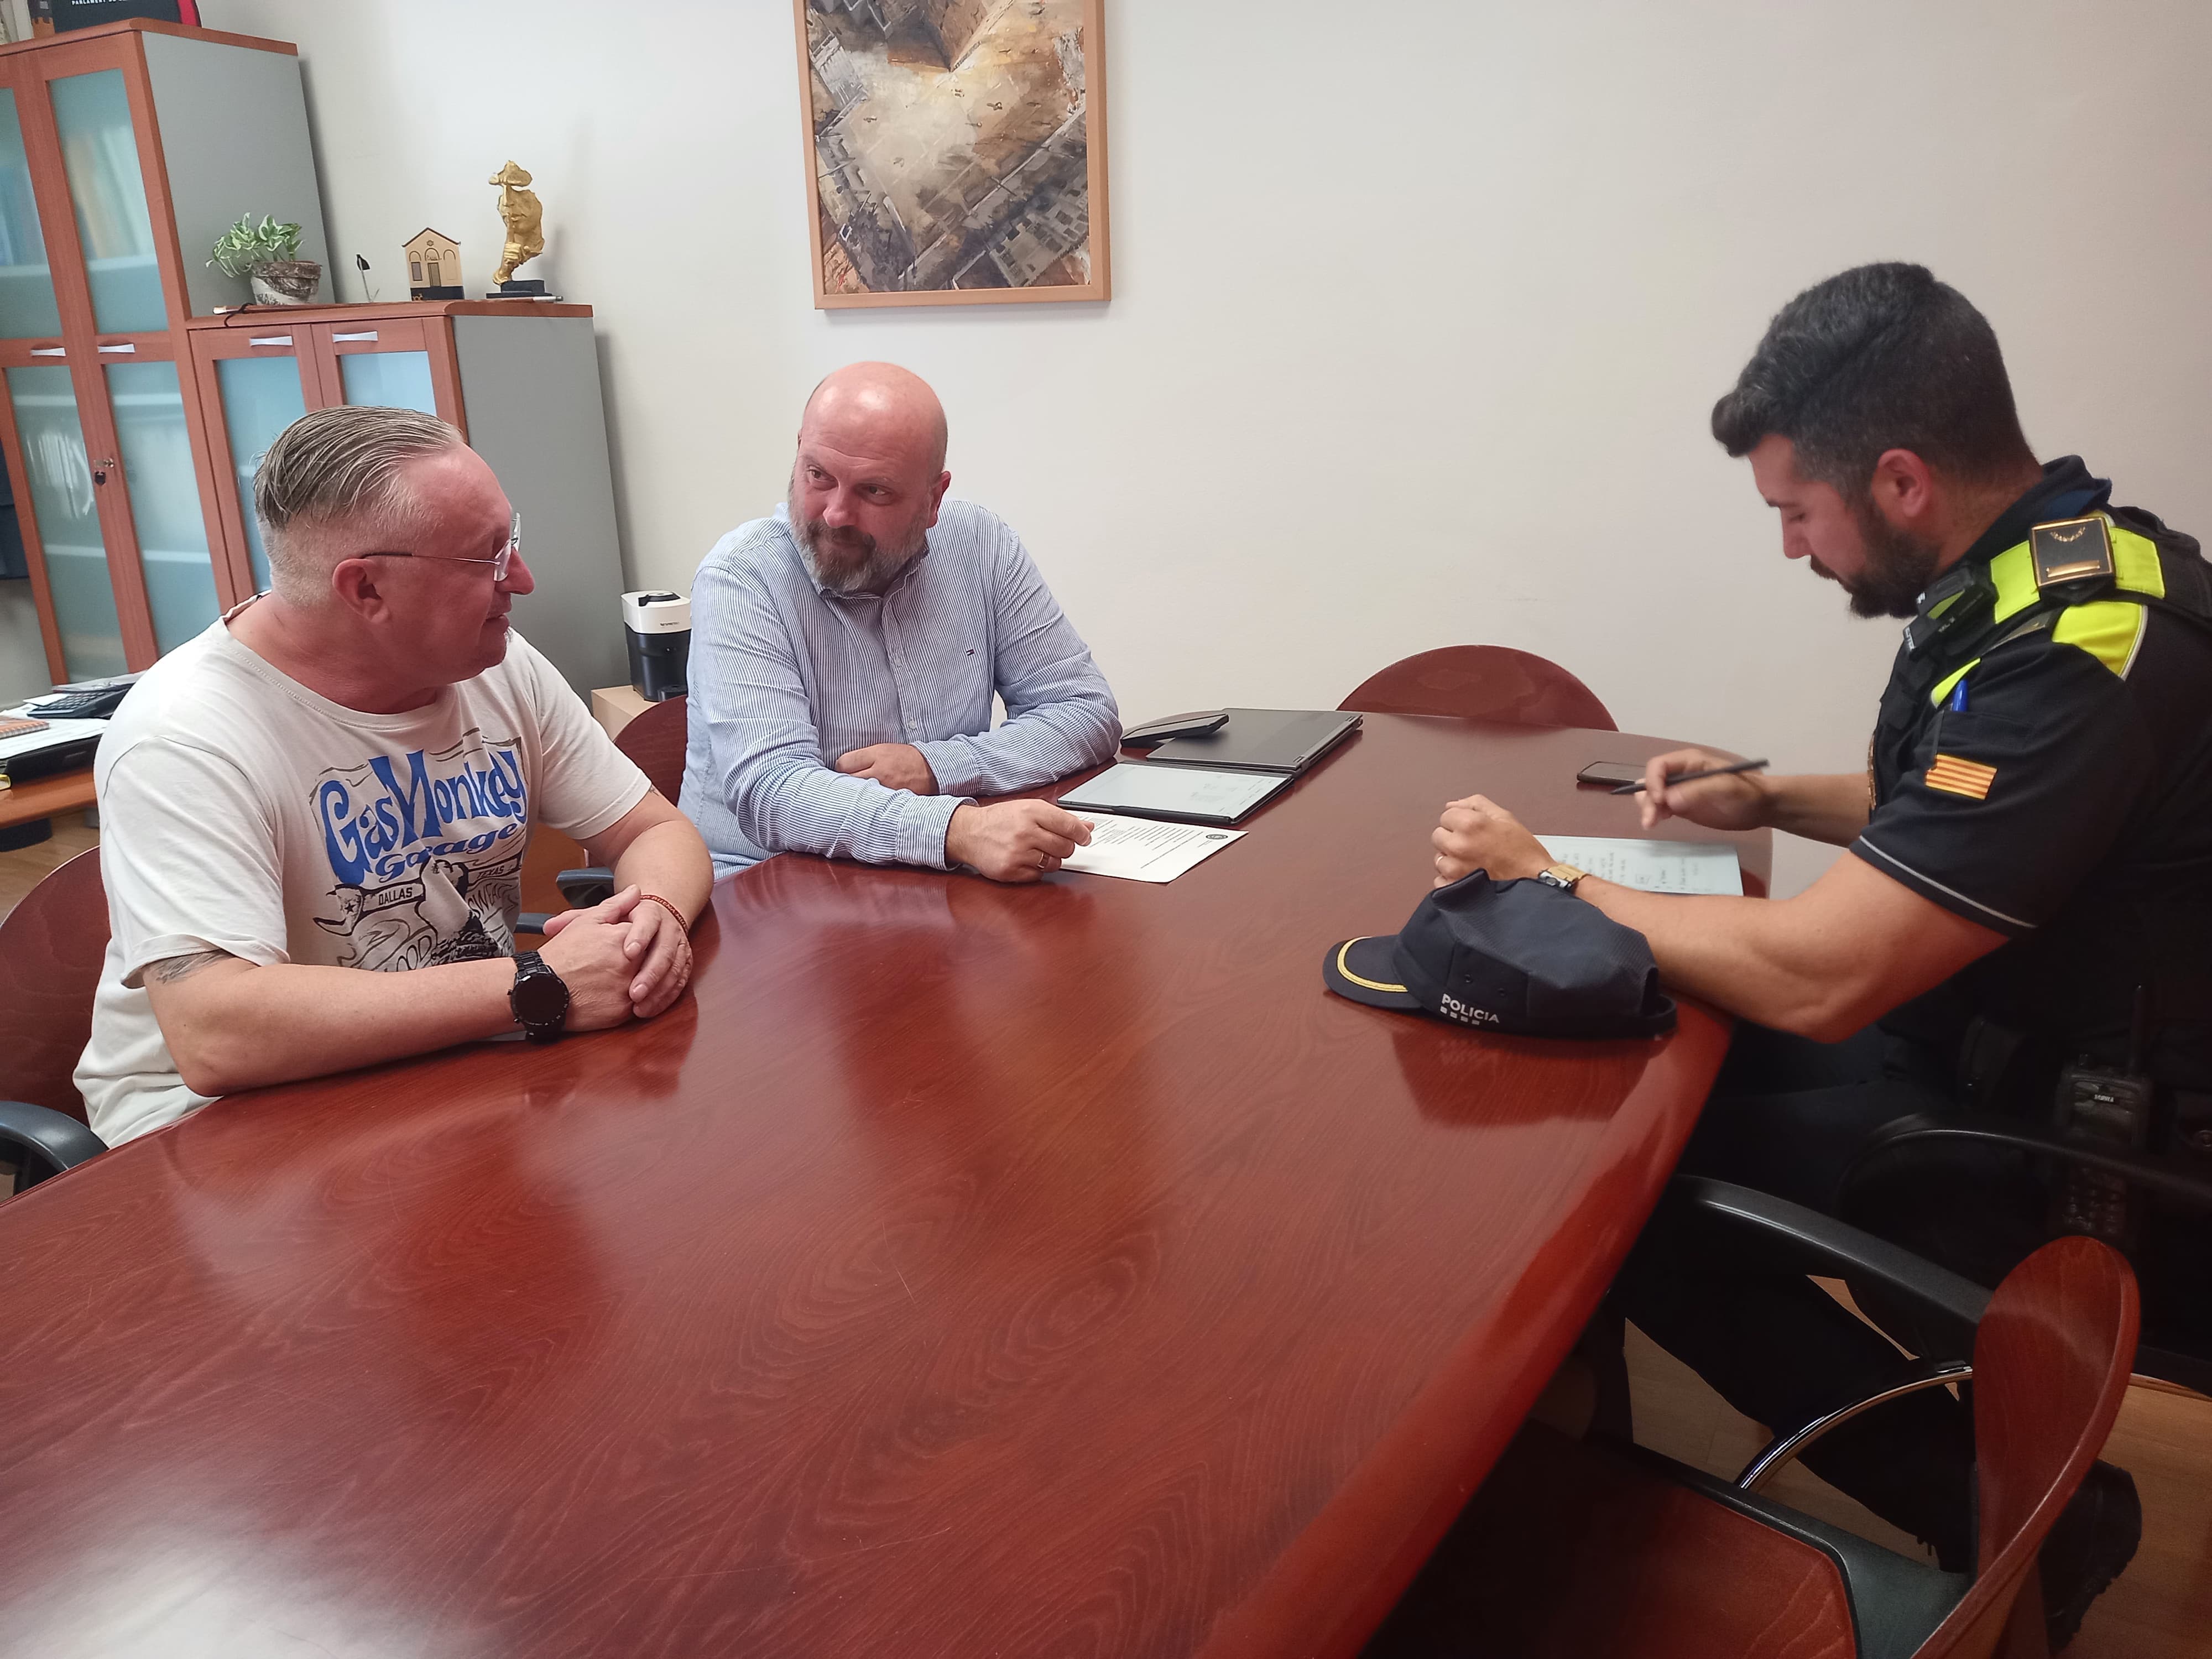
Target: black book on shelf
{"points": [[69, 14]]}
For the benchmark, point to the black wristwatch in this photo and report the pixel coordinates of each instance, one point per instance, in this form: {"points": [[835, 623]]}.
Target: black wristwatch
{"points": [[539, 1000]]}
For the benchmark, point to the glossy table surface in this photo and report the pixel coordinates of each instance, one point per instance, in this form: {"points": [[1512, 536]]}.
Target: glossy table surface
{"points": [[961, 1270]]}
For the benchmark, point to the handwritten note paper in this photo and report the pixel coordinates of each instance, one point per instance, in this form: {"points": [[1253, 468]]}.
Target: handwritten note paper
{"points": [[1656, 866]]}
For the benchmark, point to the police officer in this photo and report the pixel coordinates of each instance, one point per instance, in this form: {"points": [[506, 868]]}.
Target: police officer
{"points": [[2029, 884]]}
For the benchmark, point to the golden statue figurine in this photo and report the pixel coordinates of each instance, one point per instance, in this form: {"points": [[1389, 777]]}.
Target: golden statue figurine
{"points": [[524, 216]]}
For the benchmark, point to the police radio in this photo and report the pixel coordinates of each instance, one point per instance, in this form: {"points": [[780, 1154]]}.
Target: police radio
{"points": [[1954, 601], [2098, 1108]]}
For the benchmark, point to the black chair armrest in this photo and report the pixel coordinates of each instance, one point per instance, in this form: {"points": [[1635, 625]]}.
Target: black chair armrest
{"points": [[592, 884], [1950, 1305], [2150, 1173], [41, 1143]]}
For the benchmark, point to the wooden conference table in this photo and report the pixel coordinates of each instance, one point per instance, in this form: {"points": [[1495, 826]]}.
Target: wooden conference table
{"points": [[962, 1270]]}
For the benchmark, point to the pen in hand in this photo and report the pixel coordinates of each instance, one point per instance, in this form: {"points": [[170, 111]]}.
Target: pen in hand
{"points": [[1636, 789]]}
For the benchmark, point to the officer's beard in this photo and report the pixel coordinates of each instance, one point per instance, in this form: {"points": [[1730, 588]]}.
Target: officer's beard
{"points": [[849, 561], [1898, 568]]}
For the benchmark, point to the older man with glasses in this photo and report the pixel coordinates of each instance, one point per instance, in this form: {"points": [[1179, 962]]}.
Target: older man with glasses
{"points": [[341, 773]]}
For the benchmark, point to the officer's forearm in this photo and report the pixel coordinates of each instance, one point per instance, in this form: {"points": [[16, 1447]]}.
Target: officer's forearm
{"points": [[1723, 950], [1842, 953], [1820, 806]]}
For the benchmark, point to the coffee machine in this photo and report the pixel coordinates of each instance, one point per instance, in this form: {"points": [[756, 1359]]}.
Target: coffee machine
{"points": [[658, 624]]}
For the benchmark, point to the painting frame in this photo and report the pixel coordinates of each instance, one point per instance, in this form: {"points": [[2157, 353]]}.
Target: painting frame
{"points": [[1100, 286]]}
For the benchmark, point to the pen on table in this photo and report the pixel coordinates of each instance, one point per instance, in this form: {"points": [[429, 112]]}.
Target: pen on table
{"points": [[1692, 777]]}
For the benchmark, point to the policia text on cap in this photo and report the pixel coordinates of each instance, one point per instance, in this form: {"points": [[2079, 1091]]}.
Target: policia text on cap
{"points": [[2031, 866]]}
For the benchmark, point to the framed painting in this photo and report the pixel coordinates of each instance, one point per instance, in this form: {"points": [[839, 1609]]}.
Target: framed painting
{"points": [[955, 150]]}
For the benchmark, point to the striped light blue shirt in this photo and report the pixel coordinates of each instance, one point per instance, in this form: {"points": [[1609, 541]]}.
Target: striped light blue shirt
{"points": [[785, 677]]}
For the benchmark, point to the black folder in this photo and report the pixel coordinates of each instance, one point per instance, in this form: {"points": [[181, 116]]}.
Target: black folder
{"points": [[1286, 740]]}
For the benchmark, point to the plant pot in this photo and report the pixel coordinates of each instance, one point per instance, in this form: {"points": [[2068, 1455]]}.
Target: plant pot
{"points": [[284, 282]]}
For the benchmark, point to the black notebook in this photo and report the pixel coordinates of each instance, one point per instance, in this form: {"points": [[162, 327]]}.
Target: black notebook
{"points": [[1286, 740]]}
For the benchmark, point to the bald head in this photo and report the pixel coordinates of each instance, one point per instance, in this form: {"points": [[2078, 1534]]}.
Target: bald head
{"points": [[878, 409], [869, 477]]}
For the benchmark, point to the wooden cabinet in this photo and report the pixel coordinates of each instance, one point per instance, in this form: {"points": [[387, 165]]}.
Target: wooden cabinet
{"points": [[134, 412], [522, 381], [125, 150]]}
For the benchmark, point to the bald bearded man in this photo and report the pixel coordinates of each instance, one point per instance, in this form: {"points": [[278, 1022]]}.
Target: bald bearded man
{"points": [[845, 651]]}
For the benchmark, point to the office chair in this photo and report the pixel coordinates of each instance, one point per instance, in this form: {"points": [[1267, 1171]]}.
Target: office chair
{"points": [[655, 740], [1582, 1548], [2173, 1349], [1484, 682], [51, 946]]}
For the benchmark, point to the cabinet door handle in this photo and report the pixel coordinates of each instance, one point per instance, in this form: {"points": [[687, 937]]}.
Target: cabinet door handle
{"points": [[368, 335], [101, 469], [119, 348], [268, 339], [50, 351]]}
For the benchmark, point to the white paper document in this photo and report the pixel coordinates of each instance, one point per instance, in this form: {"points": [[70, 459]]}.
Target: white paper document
{"points": [[1145, 849], [1656, 866]]}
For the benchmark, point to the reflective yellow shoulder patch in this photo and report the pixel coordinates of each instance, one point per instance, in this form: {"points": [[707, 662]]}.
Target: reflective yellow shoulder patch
{"points": [[2108, 629], [2013, 573], [2135, 564], [1954, 776]]}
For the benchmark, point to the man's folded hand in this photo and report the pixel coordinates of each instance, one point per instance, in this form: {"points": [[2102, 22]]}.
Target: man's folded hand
{"points": [[894, 765]]}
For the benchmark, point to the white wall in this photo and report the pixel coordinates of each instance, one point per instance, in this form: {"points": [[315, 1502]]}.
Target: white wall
{"points": [[1419, 308]]}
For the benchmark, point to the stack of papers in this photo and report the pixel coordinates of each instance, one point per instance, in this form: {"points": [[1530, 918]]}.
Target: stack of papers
{"points": [[30, 743], [57, 731], [1145, 849]]}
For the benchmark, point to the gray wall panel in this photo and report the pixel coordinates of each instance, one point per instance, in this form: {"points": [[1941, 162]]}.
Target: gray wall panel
{"points": [[530, 385], [234, 134]]}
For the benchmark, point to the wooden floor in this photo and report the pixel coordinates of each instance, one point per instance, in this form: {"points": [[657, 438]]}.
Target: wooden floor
{"points": [[2160, 1608]]}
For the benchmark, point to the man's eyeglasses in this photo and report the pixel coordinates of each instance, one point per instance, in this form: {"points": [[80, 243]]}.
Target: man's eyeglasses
{"points": [[498, 562]]}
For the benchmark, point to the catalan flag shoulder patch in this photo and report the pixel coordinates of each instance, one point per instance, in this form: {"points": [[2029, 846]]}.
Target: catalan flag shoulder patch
{"points": [[1955, 776]]}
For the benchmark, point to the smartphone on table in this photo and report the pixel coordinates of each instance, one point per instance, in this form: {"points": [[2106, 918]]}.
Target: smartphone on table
{"points": [[1610, 774]]}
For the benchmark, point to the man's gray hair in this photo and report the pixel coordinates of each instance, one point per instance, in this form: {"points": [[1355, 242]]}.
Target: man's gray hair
{"points": [[332, 466]]}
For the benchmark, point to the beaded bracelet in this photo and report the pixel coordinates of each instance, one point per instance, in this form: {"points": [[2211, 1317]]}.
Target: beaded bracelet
{"points": [[655, 898]]}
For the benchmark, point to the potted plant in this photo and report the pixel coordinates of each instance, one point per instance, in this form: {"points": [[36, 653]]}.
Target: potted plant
{"points": [[265, 255]]}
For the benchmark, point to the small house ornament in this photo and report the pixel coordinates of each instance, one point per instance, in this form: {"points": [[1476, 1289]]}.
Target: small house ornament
{"points": [[434, 266]]}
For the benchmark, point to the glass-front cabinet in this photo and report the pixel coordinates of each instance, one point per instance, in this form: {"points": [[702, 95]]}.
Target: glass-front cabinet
{"points": [[27, 285], [264, 370], [100, 154], [153, 441], [261, 394], [50, 437], [124, 149]]}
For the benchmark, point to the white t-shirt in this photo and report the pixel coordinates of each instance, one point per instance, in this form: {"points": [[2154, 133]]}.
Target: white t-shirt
{"points": [[239, 811]]}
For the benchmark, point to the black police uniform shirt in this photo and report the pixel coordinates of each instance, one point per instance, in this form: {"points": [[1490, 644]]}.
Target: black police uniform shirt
{"points": [[2057, 788]]}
